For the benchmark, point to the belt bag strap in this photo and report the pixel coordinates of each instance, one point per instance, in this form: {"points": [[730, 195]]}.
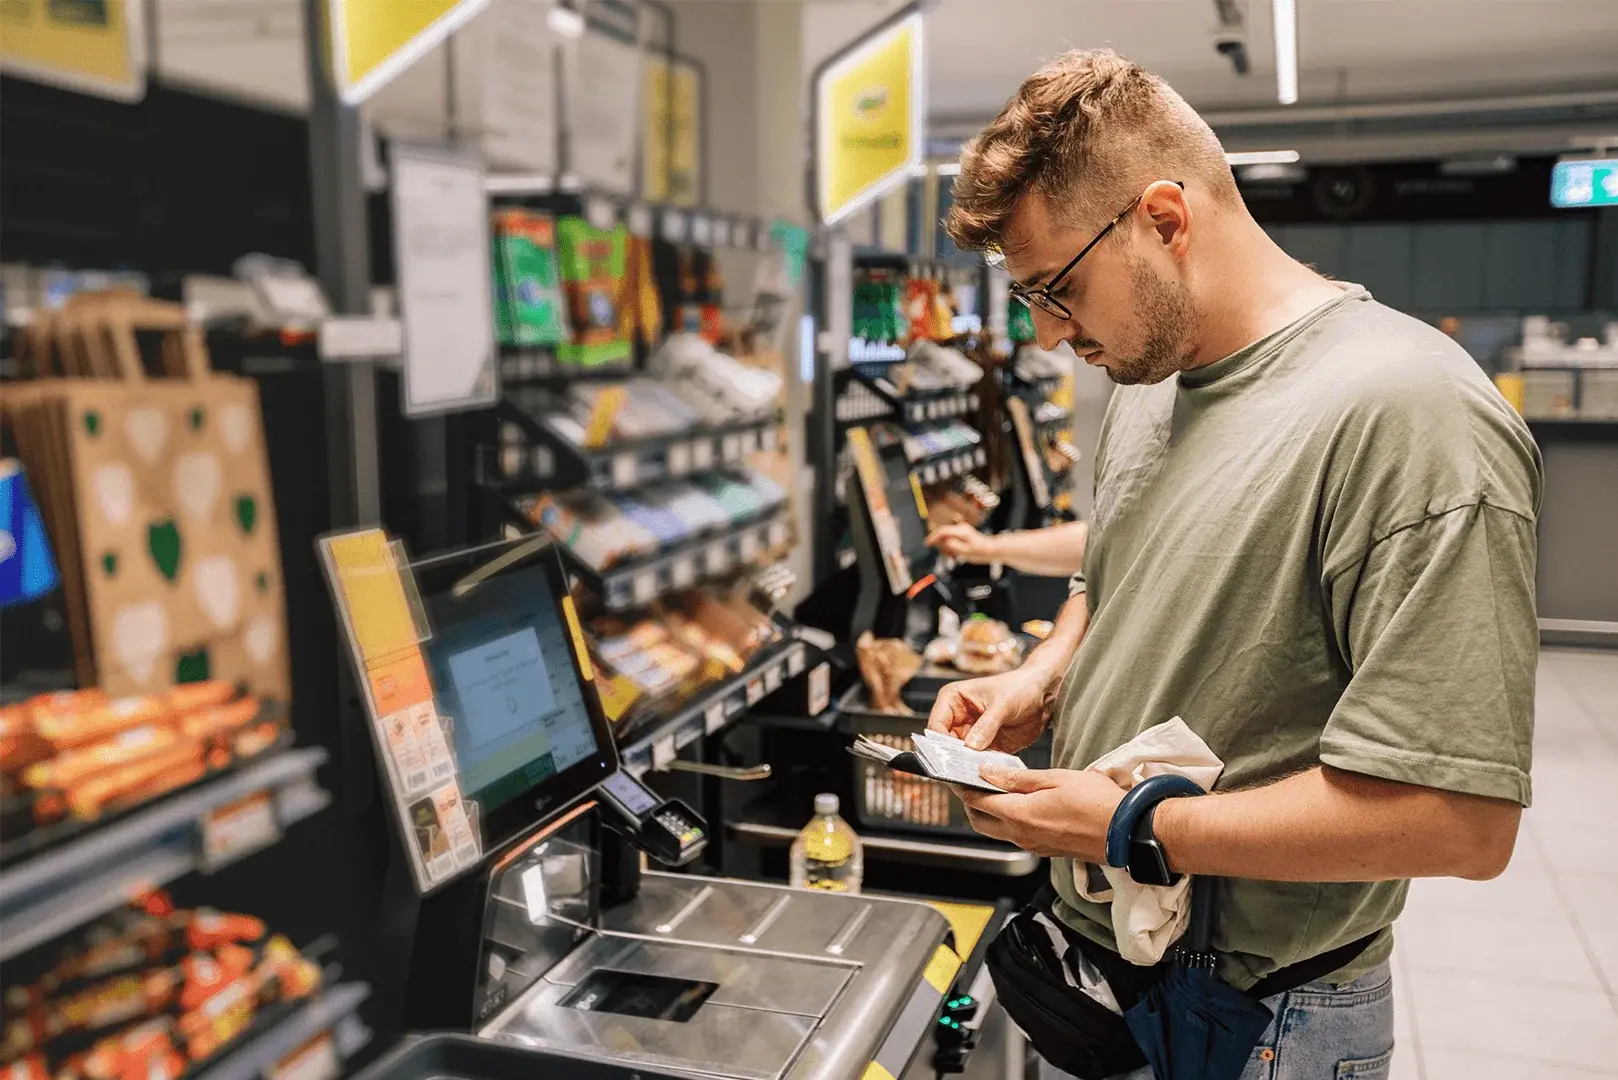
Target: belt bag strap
{"points": [[1307, 971]]}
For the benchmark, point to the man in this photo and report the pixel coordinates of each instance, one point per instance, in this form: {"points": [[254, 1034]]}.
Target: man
{"points": [[1313, 540], [1054, 551]]}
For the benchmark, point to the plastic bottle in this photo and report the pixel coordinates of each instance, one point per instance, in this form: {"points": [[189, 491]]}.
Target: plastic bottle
{"points": [[827, 853]]}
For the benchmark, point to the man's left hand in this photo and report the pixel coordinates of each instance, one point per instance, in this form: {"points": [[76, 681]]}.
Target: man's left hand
{"points": [[1051, 812]]}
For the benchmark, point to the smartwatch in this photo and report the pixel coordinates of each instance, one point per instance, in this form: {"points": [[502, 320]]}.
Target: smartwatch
{"points": [[1131, 844]]}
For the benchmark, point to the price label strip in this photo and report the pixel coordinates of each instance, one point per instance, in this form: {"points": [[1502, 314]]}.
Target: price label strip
{"points": [[235, 831]]}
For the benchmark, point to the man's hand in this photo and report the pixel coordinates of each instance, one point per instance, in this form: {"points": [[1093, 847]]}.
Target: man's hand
{"points": [[999, 712], [1050, 812], [963, 542]]}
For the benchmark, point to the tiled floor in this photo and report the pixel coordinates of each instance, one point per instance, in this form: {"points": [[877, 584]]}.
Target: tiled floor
{"points": [[1517, 978]]}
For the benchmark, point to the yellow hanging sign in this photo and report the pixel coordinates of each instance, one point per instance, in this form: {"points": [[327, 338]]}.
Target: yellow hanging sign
{"points": [[93, 46], [870, 105], [374, 40]]}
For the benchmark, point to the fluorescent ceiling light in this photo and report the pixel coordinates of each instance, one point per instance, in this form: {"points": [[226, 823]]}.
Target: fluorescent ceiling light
{"points": [[949, 168], [1262, 157], [565, 22], [1286, 51]]}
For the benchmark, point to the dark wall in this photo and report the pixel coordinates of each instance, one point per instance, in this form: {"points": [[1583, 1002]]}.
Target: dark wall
{"points": [[176, 183]]}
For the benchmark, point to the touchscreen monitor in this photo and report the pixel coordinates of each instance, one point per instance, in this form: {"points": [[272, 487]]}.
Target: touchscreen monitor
{"points": [[528, 734]]}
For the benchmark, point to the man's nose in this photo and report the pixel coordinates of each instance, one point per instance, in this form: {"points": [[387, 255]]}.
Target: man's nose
{"points": [[1049, 331]]}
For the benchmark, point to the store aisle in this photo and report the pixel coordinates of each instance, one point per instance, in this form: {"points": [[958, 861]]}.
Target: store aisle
{"points": [[1518, 977]]}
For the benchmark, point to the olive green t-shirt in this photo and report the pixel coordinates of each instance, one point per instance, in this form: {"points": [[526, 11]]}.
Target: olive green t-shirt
{"points": [[1319, 549]]}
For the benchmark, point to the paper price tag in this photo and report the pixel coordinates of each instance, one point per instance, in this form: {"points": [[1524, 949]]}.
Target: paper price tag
{"points": [[749, 541], [683, 571], [772, 680], [730, 448], [643, 587], [239, 829], [600, 213], [679, 458], [662, 751], [755, 691], [721, 232], [639, 219], [795, 664], [714, 717], [314, 1060], [674, 226], [819, 689], [749, 442], [625, 470], [702, 230], [716, 559], [768, 439]]}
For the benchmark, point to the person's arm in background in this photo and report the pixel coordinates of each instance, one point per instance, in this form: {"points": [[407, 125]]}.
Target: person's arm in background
{"points": [[1057, 551]]}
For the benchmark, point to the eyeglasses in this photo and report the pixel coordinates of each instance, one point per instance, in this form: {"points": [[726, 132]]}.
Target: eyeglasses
{"points": [[1042, 296]]}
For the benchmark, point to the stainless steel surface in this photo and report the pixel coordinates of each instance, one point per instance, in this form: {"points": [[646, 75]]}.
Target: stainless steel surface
{"points": [[1005, 861], [787, 1006], [724, 772]]}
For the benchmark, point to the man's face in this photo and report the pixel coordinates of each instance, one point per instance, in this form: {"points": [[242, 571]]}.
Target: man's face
{"points": [[1129, 316]]}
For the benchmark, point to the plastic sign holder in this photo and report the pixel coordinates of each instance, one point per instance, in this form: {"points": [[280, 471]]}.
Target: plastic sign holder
{"points": [[382, 616]]}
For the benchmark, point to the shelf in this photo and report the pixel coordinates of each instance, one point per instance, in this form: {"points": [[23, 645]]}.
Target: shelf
{"points": [[948, 465], [522, 365], [918, 407], [680, 225], [335, 1010], [638, 583], [68, 886], [625, 464], [979, 856], [715, 709]]}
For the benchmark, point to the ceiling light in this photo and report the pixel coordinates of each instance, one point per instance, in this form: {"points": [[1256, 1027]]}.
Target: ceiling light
{"points": [[1286, 51], [1262, 157], [565, 22], [1273, 174], [1488, 165], [950, 168]]}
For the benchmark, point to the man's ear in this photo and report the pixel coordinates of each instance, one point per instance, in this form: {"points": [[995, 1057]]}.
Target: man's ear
{"points": [[1165, 203]]}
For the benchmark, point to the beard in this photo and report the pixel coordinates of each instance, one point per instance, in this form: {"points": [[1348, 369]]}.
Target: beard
{"points": [[1165, 310]]}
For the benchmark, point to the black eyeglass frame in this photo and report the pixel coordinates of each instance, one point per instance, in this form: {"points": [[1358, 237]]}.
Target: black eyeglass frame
{"points": [[1041, 295]]}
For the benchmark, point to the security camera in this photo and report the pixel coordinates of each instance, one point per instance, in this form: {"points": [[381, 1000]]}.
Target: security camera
{"points": [[1234, 47]]}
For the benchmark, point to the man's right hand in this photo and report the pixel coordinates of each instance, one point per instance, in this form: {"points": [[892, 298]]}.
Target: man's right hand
{"points": [[961, 541], [997, 712]]}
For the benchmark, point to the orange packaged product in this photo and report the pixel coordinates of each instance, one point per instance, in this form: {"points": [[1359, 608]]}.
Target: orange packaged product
{"points": [[209, 929], [141, 940], [104, 1005], [70, 730], [29, 1067], [189, 697], [77, 766], [208, 975], [295, 975], [62, 703], [225, 1015], [218, 719], [256, 739], [181, 762], [144, 1052]]}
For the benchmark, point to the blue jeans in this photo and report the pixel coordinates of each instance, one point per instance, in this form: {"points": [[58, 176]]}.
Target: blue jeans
{"points": [[1321, 1031]]}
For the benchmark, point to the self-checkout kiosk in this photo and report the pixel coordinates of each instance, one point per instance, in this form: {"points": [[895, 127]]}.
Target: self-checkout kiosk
{"points": [[526, 924]]}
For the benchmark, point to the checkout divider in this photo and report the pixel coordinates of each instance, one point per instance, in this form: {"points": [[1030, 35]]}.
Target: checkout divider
{"points": [[530, 936]]}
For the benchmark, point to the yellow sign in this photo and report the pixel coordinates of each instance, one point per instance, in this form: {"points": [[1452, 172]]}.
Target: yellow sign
{"points": [[870, 105], [671, 138], [374, 40], [373, 596], [94, 46]]}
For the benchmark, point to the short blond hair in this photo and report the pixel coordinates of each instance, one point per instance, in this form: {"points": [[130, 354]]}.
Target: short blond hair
{"points": [[1089, 131]]}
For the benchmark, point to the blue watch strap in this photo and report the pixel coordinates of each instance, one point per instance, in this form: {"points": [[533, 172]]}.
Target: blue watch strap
{"points": [[1147, 793]]}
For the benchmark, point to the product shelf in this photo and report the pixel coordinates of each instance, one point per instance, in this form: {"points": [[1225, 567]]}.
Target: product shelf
{"points": [[702, 227], [262, 1055], [522, 365], [950, 464], [716, 708], [917, 407], [548, 458], [51, 893], [637, 583]]}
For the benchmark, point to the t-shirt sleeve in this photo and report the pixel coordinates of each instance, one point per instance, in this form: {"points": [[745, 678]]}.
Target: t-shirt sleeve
{"points": [[1437, 625]]}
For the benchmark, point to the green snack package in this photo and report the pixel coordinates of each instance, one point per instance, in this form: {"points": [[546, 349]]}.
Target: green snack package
{"points": [[528, 294], [595, 280]]}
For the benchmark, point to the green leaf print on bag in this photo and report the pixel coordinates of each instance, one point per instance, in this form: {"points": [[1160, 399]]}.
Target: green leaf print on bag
{"points": [[192, 667], [92, 423], [109, 563], [246, 513], [163, 541]]}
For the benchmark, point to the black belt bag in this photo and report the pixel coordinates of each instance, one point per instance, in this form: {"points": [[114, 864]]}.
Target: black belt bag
{"points": [[1034, 962]]}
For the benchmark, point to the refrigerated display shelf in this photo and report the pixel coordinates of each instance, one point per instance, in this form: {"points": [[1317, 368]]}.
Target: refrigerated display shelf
{"points": [[623, 464], [715, 709], [635, 584], [67, 886], [261, 1055]]}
